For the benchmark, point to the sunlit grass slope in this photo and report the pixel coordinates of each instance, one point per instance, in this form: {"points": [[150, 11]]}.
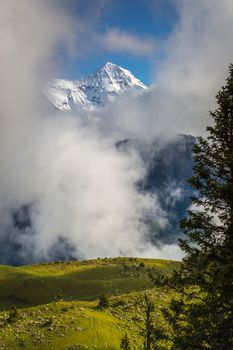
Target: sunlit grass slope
{"points": [[58, 307], [77, 280]]}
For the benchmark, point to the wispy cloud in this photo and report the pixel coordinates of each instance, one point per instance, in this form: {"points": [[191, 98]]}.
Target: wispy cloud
{"points": [[196, 56], [117, 40]]}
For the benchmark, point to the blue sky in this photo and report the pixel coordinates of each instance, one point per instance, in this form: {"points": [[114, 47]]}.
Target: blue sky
{"points": [[107, 21]]}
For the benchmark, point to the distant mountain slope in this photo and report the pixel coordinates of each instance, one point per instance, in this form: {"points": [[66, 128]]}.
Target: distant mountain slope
{"points": [[168, 165], [94, 91]]}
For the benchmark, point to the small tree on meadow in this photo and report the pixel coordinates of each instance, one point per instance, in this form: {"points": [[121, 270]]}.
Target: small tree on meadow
{"points": [[103, 301], [148, 338], [125, 343], [13, 315]]}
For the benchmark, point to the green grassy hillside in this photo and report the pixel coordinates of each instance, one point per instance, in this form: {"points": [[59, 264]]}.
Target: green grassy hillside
{"points": [[58, 306]]}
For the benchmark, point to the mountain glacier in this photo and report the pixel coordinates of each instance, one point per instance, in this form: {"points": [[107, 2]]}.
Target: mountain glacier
{"points": [[94, 91]]}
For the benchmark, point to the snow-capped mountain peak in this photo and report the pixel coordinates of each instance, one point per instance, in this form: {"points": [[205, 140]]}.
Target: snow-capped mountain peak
{"points": [[94, 91]]}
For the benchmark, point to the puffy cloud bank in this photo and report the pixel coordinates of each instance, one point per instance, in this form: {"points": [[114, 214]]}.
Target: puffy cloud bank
{"points": [[65, 190]]}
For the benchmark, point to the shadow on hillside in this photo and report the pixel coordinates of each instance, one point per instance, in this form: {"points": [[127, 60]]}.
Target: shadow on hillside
{"points": [[25, 289]]}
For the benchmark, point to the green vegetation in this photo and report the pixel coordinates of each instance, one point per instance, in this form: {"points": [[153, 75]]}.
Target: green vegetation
{"points": [[125, 343], [149, 308], [203, 318], [145, 304], [103, 302], [14, 315], [57, 304], [76, 280]]}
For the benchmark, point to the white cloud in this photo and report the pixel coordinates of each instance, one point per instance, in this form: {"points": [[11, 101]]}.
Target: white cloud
{"points": [[117, 40], [78, 186], [198, 54], [196, 57]]}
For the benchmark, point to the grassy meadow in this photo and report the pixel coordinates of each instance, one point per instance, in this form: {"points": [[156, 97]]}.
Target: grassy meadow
{"points": [[57, 303]]}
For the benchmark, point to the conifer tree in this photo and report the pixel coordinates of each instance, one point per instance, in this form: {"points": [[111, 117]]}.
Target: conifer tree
{"points": [[125, 343], [203, 318], [13, 315], [103, 301], [149, 308]]}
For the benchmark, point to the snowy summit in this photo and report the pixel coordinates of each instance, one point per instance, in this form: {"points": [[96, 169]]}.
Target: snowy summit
{"points": [[94, 91]]}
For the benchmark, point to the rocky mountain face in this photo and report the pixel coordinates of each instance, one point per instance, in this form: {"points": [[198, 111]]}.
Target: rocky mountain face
{"points": [[168, 165], [94, 91]]}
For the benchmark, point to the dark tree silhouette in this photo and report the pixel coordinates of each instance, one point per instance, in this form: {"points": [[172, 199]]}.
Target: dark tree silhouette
{"points": [[203, 317], [125, 343]]}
